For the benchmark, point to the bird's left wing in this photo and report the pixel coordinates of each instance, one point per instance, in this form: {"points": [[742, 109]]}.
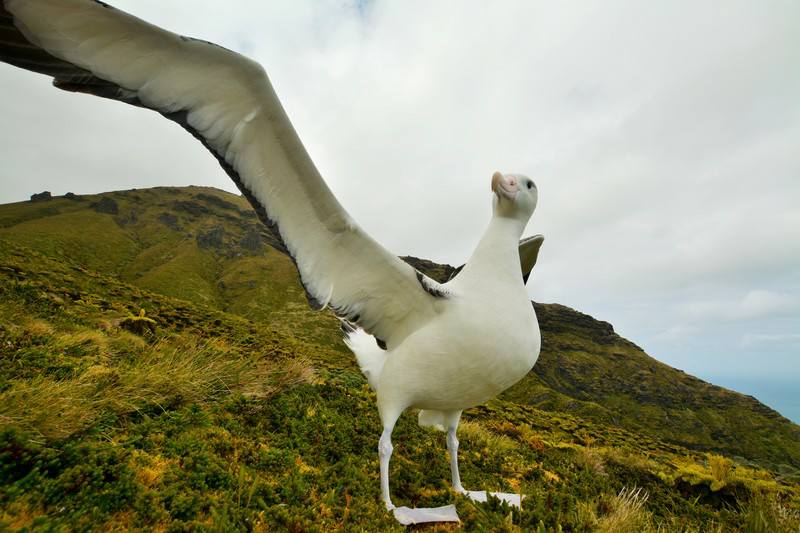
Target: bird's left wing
{"points": [[228, 103]]}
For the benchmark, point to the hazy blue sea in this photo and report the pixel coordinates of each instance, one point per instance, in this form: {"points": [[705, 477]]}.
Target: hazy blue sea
{"points": [[783, 395]]}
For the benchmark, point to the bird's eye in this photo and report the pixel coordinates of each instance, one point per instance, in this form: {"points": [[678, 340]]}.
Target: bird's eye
{"points": [[530, 185]]}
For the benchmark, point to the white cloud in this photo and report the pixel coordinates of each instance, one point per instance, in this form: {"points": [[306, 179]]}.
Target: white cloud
{"points": [[764, 303], [770, 340], [676, 334], [754, 304]]}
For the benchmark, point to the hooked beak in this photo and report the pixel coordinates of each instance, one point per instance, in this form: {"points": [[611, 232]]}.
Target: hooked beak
{"points": [[504, 186]]}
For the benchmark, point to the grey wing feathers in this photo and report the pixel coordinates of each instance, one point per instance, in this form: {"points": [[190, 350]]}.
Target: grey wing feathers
{"points": [[528, 254]]}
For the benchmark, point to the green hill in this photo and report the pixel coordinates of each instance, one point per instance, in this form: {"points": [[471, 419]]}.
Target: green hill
{"points": [[231, 405]]}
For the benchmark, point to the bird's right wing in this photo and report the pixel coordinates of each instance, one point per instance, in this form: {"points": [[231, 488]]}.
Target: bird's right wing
{"points": [[528, 254], [228, 103]]}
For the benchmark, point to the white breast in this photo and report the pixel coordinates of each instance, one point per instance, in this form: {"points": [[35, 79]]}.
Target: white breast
{"points": [[474, 350]]}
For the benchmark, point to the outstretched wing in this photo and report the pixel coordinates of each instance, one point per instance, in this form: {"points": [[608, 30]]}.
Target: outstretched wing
{"points": [[228, 103], [528, 254]]}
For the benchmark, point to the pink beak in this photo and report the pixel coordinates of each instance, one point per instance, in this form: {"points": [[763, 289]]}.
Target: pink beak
{"points": [[504, 185]]}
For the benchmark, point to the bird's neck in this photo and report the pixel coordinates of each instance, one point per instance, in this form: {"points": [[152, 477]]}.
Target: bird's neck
{"points": [[497, 253]]}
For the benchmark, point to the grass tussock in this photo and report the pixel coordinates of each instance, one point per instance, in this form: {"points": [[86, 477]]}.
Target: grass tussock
{"points": [[89, 340], [629, 459], [720, 469], [139, 324], [485, 438], [37, 328], [625, 512], [590, 460], [173, 371]]}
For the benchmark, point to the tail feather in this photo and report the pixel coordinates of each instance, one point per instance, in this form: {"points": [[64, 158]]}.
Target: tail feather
{"points": [[429, 418], [369, 355]]}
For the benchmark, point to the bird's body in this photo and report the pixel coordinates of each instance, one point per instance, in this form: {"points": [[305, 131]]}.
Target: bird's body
{"points": [[484, 339], [440, 348]]}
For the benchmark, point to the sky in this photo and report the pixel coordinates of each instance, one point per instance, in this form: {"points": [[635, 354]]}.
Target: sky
{"points": [[664, 138]]}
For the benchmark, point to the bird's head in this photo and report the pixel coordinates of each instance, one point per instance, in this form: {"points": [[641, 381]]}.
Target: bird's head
{"points": [[515, 196]]}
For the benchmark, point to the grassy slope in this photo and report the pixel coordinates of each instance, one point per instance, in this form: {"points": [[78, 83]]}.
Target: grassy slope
{"points": [[217, 419], [190, 243]]}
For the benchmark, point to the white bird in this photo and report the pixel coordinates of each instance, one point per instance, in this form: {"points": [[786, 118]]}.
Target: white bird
{"points": [[441, 348]]}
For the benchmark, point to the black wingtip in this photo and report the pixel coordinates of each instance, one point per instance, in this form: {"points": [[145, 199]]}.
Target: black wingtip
{"points": [[347, 327], [430, 289]]}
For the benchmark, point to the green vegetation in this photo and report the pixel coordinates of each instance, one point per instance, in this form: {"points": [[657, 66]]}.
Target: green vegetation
{"points": [[237, 408]]}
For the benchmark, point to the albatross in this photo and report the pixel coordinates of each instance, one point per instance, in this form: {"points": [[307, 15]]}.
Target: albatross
{"points": [[437, 347]]}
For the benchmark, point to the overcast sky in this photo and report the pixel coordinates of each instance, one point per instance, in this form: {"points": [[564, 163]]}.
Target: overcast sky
{"points": [[664, 138]]}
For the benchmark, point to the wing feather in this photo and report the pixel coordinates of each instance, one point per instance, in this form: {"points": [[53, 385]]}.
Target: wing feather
{"points": [[226, 101], [528, 254]]}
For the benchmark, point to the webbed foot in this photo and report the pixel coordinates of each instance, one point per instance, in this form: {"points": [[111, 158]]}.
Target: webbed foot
{"points": [[482, 496], [407, 516]]}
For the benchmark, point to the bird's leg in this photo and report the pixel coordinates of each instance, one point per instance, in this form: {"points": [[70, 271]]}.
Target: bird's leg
{"points": [[405, 515], [385, 453], [451, 419], [451, 423], [452, 448]]}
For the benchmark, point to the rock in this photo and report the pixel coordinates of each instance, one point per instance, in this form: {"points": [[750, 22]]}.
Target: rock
{"points": [[126, 220], [72, 196], [169, 220], [212, 238], [439, 272], [216, 201], [193, 208], [44, 196], [107, 205], [252, 240]]}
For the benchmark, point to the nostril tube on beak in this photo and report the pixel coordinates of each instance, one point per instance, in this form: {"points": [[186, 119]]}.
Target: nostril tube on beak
{"points": [[496, 177]]}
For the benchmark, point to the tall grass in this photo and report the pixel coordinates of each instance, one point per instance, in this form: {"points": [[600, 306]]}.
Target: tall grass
{"points": [[485, 438], [172, 371], [627, 513], [764, 513]]}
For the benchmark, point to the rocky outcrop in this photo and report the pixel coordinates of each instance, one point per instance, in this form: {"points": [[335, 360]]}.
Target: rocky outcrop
{"points": [[44, 196], [436, 271], [107, 205], [252, 240], [216, 201], [169, 220], [212, 238], [193, 208]]}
